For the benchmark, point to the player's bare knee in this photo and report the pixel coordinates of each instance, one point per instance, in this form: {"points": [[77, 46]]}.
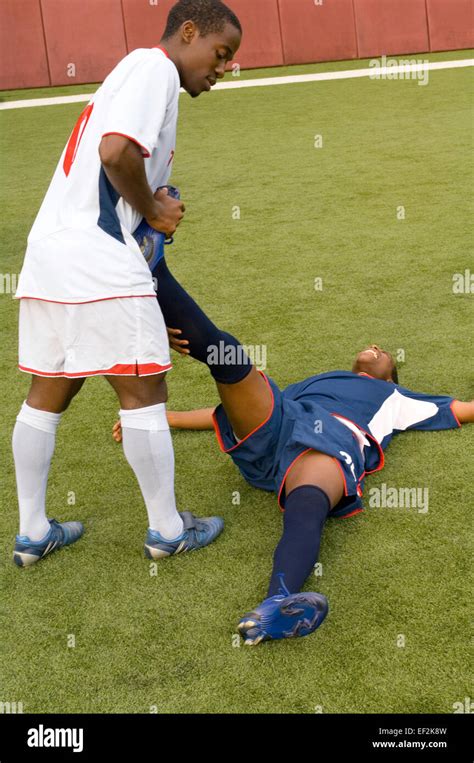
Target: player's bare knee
{"points": [[52, 395], [75, 389], [161, 389], [318, 469], [140, 392]]}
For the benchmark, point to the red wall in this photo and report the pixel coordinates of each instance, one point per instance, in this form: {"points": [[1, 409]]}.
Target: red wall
{"points": [[23, 61], [39, 39], [90, 35], [261, 43], [145, 23], [317, 32], [391, 26], [451, 24]]}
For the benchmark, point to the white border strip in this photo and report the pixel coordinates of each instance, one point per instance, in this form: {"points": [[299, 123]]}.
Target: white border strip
{"points": [[374, 72]]}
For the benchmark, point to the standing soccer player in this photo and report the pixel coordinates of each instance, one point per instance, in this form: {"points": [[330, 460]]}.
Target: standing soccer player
{"points": [[88, 305]]}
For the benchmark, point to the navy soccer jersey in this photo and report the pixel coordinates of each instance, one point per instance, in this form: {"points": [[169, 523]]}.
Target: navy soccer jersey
{"points": [[351, 417]]}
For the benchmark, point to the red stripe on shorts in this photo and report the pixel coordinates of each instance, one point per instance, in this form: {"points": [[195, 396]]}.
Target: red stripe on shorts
{"points": [[120, 369]]}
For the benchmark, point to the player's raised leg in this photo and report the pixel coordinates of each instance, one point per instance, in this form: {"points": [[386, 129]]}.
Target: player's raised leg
{"points": [[34, 438], [313, 487], [148, 449], [244, 393], [247, 403]]}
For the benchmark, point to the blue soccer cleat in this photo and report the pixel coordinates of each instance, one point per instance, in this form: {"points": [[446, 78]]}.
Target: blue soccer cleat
{"points": [[28, 552], [197, 533], [151, 242], [284, 616]]}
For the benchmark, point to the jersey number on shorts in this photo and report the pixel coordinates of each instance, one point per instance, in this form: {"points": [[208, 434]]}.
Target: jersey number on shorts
{"points": [[75, 139], [349, 462]]}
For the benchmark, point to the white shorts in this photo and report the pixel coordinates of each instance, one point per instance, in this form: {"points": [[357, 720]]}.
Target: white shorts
{"points": [[120, 337]]}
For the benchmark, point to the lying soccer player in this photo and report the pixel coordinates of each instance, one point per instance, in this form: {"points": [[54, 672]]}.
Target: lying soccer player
{"points": [[312, 444]]}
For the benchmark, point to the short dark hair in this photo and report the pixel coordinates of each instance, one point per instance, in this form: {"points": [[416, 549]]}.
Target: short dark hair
{"points": [[208, 15], [395, 374]]}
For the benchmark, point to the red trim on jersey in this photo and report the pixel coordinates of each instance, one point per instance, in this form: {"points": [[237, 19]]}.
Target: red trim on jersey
{"points": [[146, 153], [362, 373], [120, 369], [163, 50], [234, 447], [452, 411], [75, 139], [89, 301]]}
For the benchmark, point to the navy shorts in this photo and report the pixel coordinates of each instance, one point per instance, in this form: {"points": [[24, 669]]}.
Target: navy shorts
{"points": [[293, 428]]}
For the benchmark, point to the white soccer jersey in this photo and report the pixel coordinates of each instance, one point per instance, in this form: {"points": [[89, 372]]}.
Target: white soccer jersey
{"points": [[81, 246]]}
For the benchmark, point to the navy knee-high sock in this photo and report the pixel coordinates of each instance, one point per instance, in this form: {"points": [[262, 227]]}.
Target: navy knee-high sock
{"points": [[221, 352], [306, 510]]}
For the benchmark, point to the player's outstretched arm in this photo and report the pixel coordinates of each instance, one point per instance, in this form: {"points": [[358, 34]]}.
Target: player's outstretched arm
{"points": [[200, 420], [464, 411]]}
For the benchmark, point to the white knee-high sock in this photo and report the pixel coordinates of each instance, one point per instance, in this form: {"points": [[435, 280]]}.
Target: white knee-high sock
{"points": [[148, 449], [33, 443]]}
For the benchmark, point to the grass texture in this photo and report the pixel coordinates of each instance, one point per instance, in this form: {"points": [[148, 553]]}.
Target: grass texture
{"points": [[164, 638]]}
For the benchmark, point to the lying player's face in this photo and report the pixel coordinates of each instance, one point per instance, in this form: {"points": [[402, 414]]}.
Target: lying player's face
{"points": [[204, 59], [375, 362]]}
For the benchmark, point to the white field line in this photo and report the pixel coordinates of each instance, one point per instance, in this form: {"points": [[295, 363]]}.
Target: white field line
{"points": [[374, 72]]}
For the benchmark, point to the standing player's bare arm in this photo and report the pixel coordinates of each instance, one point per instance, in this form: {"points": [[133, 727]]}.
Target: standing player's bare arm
{"points": [[123, 164]]}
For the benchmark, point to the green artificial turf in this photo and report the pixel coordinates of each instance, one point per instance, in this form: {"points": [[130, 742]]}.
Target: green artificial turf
{"points": [[166, 641]]}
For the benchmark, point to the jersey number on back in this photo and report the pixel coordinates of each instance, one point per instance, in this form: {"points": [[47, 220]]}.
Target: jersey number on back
{"points": [[75, 139]]}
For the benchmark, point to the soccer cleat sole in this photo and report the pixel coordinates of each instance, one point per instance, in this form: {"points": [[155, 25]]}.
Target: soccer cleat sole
{"points": [[158, 553], [301, 625], [23, 559]]}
